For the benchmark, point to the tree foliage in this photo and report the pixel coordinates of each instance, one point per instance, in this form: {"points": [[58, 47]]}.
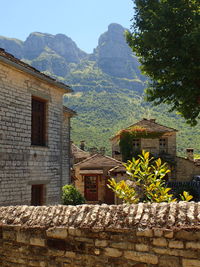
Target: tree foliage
{"points": [[146, 182], [165, 36]]}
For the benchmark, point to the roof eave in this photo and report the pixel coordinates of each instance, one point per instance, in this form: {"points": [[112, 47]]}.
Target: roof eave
{"points": [[38, 75]]}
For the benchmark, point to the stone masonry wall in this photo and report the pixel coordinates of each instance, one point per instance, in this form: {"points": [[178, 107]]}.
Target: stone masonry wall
{"points": [[21, 164], [186, 169], [143, 235]]}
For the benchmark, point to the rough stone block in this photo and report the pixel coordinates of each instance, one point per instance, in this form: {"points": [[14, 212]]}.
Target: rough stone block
{"points": [[188, 235], [176, 244], [75, 232], [121, 245], [23, 237], [113, 252], [193, 245], [169, 261], [147, 233], [70, 254], [37, 241], [168, 234], [141, 257], [101, 243], [190, 263], [142, 247], [160, 242], [9, 234], [158, 232], [60, 233]]}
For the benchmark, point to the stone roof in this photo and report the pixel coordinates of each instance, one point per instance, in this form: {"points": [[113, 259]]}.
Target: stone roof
{"points": [[79, 153], [10, 59], [118, 169], [150, 125], [69, 111], [100, 217], [98, 161]]}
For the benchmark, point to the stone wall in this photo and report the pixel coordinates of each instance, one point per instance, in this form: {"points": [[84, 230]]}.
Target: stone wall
{"points": [[22, 165], [143, 235], [186, 169]]}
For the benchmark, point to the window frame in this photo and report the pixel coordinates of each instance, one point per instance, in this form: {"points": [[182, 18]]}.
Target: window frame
{"points": [[34, 194], [163, 148], [43, 136], [136, 143]]}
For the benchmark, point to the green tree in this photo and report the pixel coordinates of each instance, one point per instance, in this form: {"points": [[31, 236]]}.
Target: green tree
{"points": [[166, 36]]}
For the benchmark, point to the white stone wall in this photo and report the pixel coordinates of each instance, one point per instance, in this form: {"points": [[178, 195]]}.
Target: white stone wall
{"points": [[21, 164]]}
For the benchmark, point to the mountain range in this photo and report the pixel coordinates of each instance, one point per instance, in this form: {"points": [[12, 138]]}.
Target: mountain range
{"points": [[108, 85]]}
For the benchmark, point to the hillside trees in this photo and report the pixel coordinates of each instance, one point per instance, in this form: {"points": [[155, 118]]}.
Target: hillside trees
{"points": [[165, 36]]}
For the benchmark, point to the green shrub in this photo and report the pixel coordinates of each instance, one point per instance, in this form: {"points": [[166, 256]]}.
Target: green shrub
{"points": [[71, 196]]}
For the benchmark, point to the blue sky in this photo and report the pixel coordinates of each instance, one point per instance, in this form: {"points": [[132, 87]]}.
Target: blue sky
{"points": [[82, 20]]}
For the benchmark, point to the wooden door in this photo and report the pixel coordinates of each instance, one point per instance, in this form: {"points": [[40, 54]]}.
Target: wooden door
{"points": [[37, 195], [91, 188], [109, 194]]}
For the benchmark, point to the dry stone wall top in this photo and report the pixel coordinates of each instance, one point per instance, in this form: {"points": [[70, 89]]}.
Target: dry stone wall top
{"points": [[101, 217]]}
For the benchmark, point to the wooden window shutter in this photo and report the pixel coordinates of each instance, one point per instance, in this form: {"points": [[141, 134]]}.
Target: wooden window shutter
{"points": [[38, 123]]}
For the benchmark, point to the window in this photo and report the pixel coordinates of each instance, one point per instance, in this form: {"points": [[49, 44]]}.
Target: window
{"points": [[136, 144], [37, 195], [38, 121], [163, 144]]}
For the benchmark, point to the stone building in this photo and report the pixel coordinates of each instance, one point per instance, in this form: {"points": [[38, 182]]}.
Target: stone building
{"points": [[187, 168], [160, 141], [149, 136], [78, 154], [34, 135], [91, 178]]}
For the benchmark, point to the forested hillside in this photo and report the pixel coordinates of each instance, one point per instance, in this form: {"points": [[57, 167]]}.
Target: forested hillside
{"points": [[108, 86]]}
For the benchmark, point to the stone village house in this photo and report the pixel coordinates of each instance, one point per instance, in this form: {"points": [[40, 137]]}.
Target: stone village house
{"points": [[34, 135], [91, 178], [160, 141]]}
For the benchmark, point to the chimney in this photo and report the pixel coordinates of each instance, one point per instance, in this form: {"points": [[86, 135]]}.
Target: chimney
{"points": [[93, 151], [82, 145], [102, 151], [190, 154]]}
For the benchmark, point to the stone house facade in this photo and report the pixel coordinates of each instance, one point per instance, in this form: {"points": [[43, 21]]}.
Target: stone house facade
{"points": [[163, 143], [160, 141], [34, 135], [91, 178]]}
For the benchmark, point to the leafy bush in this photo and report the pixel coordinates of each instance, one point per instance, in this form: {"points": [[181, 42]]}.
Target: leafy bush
{"points": [[71, 196], [146, 182]]}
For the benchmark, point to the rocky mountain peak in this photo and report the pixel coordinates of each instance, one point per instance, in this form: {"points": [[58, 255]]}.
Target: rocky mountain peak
{"points": [[59, 43], [113, 54]]}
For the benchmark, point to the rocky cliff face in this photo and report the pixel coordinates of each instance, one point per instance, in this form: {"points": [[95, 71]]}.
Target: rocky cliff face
{"points": [[13, 46], [114, 56], [60, 44]]}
